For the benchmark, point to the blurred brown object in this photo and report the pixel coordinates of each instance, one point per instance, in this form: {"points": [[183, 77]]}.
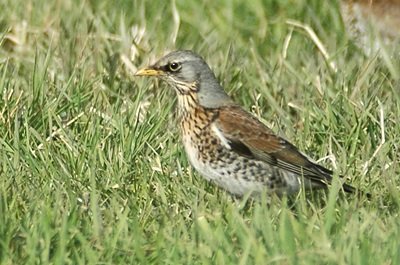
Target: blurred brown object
{"points": [[372, 22]]}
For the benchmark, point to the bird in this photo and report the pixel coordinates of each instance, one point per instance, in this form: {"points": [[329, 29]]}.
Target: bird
{"points": [[225, 143], [373, 24]]}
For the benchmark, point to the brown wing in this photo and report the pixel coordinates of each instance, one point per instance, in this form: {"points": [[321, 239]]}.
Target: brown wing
{"points": [[249, 137]]}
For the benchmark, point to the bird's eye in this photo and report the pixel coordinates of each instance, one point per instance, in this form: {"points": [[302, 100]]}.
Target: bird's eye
{"points": [[173, 67]]}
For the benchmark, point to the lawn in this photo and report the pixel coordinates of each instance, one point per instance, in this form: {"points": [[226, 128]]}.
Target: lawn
{"points": [[92, 170]]}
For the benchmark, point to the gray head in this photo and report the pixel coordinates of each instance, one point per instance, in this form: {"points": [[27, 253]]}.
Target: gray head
{"points": [[188, 73]]}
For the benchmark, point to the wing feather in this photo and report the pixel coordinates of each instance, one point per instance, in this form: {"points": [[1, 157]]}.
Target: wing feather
{"points": [[249, 137]]}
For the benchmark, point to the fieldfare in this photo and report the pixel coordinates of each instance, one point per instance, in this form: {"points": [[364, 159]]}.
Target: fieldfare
{"points": [[226, 144]]}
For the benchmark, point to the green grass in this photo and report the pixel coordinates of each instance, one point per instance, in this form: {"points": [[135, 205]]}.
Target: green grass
{"points": [[91, 167]]}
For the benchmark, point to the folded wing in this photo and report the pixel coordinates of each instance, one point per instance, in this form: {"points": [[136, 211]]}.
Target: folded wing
{"points": [[249, 137]]}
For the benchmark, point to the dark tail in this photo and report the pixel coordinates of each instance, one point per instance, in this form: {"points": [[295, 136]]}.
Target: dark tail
{"points": [[346, 187], [351, 189]]}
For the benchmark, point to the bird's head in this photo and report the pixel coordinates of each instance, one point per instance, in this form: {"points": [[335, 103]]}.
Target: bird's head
{"points": [[188, 73]]}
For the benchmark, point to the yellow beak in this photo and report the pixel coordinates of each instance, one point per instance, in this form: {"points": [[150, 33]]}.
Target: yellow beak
{"points": [[148, 72]]}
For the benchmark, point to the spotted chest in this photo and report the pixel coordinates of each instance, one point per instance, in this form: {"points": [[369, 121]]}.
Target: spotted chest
{"points": [[199, 141], [211, 155]]}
